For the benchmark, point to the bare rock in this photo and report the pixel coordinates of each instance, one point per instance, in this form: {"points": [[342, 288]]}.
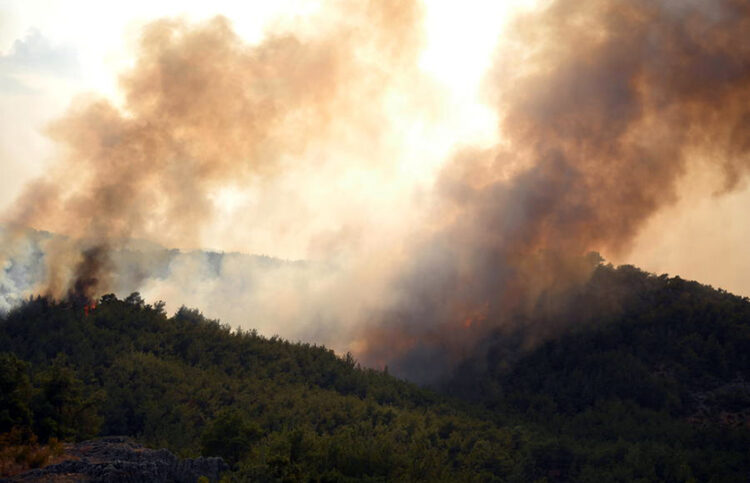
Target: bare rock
{"points": [[121, 460]]}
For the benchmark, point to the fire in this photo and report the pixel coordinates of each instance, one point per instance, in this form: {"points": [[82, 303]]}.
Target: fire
{"points": [[90, 307], [476, 316]]}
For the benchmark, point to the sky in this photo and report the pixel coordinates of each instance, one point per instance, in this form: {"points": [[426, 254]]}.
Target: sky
{"points": [[52, 53], [55, 52]]}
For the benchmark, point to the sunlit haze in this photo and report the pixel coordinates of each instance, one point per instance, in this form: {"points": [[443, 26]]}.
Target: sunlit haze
{"points": [[367, 139], [375, 240], [457, 51]]}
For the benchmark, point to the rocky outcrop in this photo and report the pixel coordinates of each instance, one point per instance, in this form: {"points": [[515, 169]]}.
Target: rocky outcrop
{"points": [[726, 405], [121, 460]]}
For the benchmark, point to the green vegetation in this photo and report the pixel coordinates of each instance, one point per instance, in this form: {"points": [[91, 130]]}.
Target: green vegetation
{"points": [[274, 409], [644, 380]]}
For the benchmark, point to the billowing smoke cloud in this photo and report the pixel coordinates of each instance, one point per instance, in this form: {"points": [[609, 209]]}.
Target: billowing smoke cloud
{"points": [[604, 105], [204, 111]]}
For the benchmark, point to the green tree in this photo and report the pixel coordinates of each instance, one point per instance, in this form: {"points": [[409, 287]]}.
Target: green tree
{"points": [[62, 408], [15, 393], [230, 435]]}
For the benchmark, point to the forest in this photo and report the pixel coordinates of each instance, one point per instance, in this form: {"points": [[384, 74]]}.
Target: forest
{"points": [[644, 378]]}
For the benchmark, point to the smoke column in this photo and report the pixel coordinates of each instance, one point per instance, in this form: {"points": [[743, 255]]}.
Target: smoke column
{"points": [[604, 104], [204, 111]]}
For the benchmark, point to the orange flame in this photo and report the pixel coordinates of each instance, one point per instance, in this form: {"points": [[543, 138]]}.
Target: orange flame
{"points": [[476, 316], [89, 308]]}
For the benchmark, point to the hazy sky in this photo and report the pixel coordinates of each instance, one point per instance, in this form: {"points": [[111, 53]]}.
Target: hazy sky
{"points": [[55, 51], [51, 52]]}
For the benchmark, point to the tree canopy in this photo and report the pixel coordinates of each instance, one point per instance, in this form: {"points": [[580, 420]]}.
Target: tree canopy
{"points": [[643, 379]]}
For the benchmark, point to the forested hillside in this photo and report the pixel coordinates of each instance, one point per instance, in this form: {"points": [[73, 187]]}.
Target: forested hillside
{"points": [[647, 371], [643, 378], [271, 408]]}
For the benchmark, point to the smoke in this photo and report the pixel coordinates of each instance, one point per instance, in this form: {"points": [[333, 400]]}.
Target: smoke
{"points": [[604, 105], [205, 112]]}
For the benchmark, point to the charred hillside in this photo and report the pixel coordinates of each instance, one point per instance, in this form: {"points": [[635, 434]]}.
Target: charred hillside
{"points": [[638, 376]]}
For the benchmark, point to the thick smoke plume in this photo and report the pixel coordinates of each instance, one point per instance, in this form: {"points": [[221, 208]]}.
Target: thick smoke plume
{"points": [[205, 111], [604, 105]]}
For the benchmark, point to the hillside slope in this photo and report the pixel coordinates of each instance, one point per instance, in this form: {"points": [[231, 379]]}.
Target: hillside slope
{"points": [[641, 378], [271, 408], [654, 367]]}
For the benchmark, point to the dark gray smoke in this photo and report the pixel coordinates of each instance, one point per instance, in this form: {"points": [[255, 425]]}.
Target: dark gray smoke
{"points": [[605, 104]]}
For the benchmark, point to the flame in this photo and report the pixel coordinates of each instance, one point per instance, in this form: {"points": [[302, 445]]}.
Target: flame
{"points": [[90, 307], [476, 316]]}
